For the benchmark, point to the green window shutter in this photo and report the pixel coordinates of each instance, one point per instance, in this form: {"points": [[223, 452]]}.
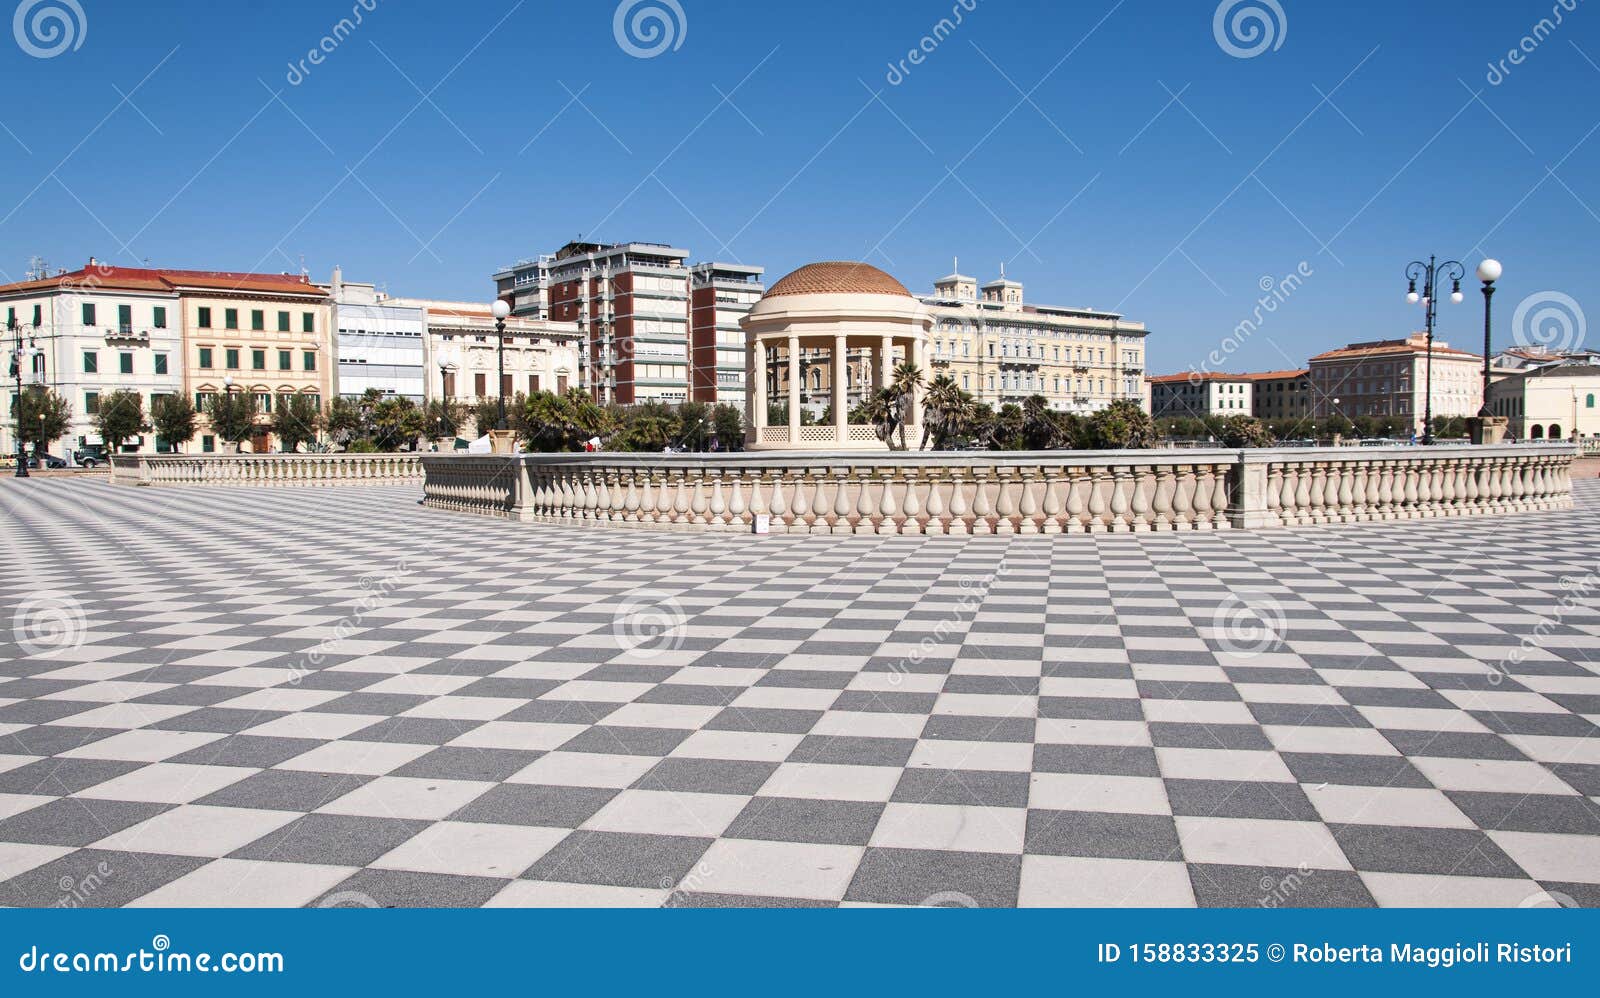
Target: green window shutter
{"points": [[258, 319], [126, 361], [283, 322], [161, 363], [160, 321], [91, 362], [311, 360], [285, 360], [205, 357], [230, 318], [88, 313], [233, 358], [204, 320], [308, 322]]}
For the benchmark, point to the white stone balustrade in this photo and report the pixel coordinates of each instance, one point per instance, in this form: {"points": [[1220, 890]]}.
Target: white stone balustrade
{"points": [[1003, 493], [264, 469]]}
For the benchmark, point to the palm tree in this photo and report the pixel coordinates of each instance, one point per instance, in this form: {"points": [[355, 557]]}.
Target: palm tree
{"points": [[1041, 430], [882, 410], [946, 411], [903, 387]]}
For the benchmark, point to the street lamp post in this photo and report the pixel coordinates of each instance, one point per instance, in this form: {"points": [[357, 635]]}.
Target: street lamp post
{"points": [[500, 310], [17, 357], [1488, 272], [1429, 274]]}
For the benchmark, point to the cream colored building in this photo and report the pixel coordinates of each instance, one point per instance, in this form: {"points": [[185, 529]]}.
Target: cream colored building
{"points": [[1557, 401], [1199, 395], [1388, 378], [463, 360], [88, 333], [1001, 349]]}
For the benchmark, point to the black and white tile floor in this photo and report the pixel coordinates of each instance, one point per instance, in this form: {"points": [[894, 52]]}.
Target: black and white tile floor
{"points": [[303, 697]]}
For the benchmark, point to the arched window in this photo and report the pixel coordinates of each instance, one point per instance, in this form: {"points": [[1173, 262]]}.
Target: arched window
{"points": [[1589, 403], [1537, 433], [1555, 431]]}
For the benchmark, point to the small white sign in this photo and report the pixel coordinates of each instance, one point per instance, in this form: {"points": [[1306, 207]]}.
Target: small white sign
{"points": [[763, 523]]}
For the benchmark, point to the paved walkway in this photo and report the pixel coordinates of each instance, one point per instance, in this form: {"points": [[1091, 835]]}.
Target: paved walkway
{"points": [[304, 696]]}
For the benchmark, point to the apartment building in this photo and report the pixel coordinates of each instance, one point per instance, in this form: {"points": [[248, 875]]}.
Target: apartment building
{"points": [[1550, 400], [633, 303], [720, 294], [379, 345], [1389, 378], [1200, 395], [1281, 394], [463, 356], [1002, 349], [91, 332]]}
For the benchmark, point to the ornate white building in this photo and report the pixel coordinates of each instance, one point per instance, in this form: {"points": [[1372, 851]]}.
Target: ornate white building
{"points": [[462, 355]]}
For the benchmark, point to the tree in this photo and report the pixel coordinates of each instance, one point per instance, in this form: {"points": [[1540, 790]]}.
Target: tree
{"points": [[443, 418], [1043, 428], [342, 421], [947, 412], [904, 384], [881, 411], [1005, 430], [648, 427], [232, 415], [1244, 431], [42, 416], [295, 422], [1122, 425], [174, 418], [394, 421], [694, 425], [120, 416], [727, 423]]}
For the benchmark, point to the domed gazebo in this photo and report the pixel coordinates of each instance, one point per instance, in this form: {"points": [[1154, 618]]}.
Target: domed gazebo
{"points": [[833, 307]]}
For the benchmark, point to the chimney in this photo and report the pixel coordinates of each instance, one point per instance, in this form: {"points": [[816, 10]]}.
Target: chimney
{"points": [[92, 261], [336, 286]]}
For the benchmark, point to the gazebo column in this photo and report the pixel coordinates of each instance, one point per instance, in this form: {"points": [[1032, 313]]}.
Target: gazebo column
{"points": [[756, 378], [916, 358], [841, 389], [885, 363], [794, 389]]}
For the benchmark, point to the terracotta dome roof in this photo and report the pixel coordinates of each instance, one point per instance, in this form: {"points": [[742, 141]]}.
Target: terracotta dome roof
{"points": [[834, 277]]}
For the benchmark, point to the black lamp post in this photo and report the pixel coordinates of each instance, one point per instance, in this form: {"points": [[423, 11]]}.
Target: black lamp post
{"points": [[1488, 272], [17, 357], [1430, 273], [500, 310]]}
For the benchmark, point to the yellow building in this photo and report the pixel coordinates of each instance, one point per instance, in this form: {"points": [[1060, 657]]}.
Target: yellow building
{"points": [[266, 334]]}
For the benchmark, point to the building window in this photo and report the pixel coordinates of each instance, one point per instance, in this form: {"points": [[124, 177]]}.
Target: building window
{"points": [[258, 319], [203, 320], [264, 402], [160, 317], [38, 316], [283, 322], [91, 362], [1589, 402], [285, 358], [308, 322], [126, 362], [205, 357], [88, 313], [310, 359], [161, 363], [258, 360], [231, 355], [480, 385], [230, 318], [91, 403], [208, 443], [125, 318]]}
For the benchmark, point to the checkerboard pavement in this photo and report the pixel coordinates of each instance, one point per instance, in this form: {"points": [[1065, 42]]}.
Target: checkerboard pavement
{"points": [[303, 697]]}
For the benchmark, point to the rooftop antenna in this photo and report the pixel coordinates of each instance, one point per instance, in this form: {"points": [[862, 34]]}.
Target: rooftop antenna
{"points": [[955, 265], [303, 271], [1002, 270], [38, 269]]}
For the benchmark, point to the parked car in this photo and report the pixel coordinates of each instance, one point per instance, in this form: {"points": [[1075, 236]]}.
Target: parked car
{"points": [[90, 456], [50, 461]]}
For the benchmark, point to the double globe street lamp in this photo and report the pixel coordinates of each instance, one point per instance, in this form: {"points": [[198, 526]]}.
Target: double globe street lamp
{"points": [[1430, 274]]}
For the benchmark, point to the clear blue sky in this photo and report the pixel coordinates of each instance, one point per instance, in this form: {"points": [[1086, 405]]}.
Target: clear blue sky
{"points": [[1098, 190]]}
